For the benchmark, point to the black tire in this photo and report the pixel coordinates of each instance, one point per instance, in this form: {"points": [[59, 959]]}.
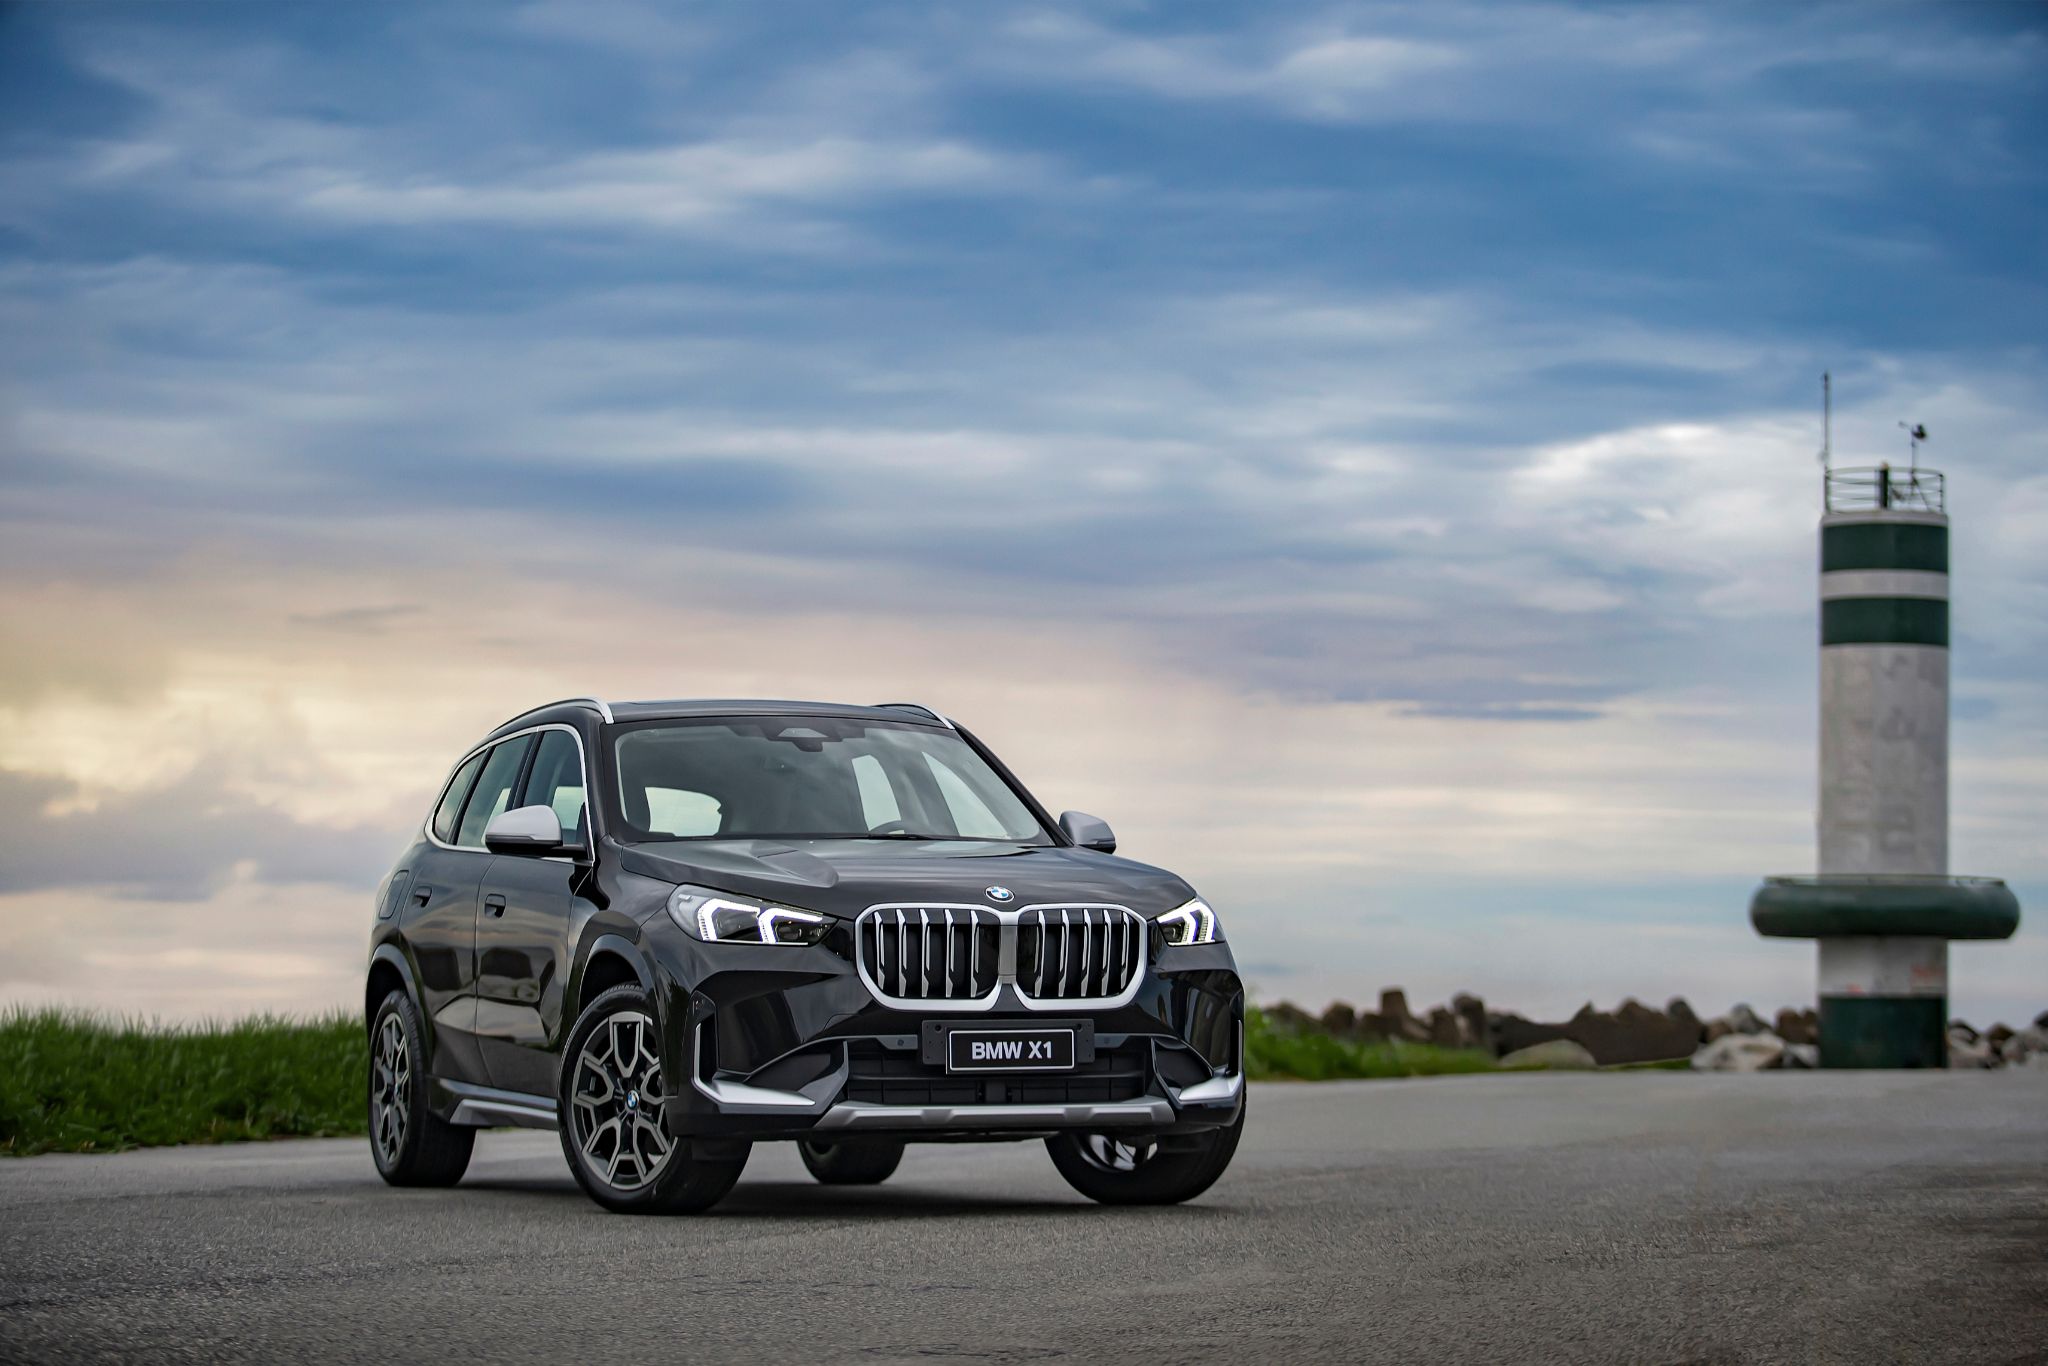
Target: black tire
{"points": [[410, 1144], [851, 1161], [615, 1084], [1095, 1165]]}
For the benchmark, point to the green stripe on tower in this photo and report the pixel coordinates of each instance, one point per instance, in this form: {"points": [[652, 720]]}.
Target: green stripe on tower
{"points": [[1884, 545], [1884, 621], [1884, 1031]]}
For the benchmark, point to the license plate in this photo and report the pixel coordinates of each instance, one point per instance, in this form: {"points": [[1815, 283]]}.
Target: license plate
{"points": [[1010, 1050]]}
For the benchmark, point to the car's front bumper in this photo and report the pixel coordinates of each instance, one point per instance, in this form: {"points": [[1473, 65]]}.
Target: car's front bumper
{"points": [[780, 1042]]}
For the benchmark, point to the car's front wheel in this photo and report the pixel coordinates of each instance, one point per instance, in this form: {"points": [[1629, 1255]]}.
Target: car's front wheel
{"points": [[1118, 1170], [611, 1117], [851, 1161], [412, 1146]]}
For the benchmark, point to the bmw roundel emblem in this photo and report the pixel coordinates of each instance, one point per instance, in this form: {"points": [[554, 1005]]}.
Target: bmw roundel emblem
{"points": [[999, 893]]}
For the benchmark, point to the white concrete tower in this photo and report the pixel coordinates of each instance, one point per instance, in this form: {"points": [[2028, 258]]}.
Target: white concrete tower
{"points": [[1884, 907]]}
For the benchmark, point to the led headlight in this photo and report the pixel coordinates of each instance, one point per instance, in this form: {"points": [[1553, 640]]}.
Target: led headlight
{"points": [[1193, 923], [716, 917]]}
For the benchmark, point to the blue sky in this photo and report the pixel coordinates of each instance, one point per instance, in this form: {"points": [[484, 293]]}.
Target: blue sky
{"points": [[1365, 452]]}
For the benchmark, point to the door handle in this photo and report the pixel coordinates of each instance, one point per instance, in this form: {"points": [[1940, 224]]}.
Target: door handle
{"points": [[495, 904], [423, 894]]}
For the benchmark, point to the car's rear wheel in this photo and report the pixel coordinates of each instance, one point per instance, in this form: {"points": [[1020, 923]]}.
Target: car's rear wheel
{"points": [[851, 1161], [1128, 1170], [611, 1113], [412, 1146]]}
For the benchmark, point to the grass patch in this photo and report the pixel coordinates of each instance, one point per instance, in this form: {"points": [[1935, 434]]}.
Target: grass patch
{"points": [[1273, 1052], [80, 1083]]}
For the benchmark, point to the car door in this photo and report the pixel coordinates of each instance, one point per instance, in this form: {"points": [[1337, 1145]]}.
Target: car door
{"points": [[440, 926], [524, 933]]}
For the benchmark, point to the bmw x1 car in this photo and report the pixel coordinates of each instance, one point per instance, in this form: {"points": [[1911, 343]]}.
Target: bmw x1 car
{"points": [[672, 930]]}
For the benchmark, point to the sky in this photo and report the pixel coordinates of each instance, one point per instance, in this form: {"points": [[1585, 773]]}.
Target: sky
{"points": [[1367, 454]]}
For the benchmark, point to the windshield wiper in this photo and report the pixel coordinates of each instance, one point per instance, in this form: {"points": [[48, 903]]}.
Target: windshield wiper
{"points": [[898, 835]]}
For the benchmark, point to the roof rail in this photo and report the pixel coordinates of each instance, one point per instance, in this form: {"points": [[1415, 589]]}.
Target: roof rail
{"points": [[601, 708], [918, 707]]}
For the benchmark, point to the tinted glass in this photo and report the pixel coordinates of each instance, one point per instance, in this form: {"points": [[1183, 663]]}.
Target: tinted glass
{"points": [[493, 790], [557, 779], [811, 777], [451, 800]]}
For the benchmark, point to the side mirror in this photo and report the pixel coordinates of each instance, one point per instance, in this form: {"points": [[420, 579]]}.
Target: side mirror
{"points": [[524, 830], [1090, 832]]}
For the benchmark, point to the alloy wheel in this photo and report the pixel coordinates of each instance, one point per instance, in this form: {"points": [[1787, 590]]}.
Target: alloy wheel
{"points": [[616, 1100], [390, 1089]]}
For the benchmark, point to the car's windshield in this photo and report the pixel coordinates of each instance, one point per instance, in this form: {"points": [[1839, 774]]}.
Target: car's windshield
{"points": [[811, 777]]}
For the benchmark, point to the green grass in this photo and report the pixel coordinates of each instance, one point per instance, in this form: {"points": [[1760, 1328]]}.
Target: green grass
{"points": [[71, 1082], [1271, 1052]]}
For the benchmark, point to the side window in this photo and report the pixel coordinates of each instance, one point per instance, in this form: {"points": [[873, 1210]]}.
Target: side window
{"points": [[493, 790], [557, 778], [877, 799], [451, 800], [971, 816]]}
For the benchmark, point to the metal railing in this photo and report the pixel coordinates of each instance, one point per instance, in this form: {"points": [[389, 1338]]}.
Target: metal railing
{"points": [[1880, 488]]}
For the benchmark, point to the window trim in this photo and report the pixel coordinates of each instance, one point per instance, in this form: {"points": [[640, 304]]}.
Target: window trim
{"points": [[447, 784], [518, 785]]}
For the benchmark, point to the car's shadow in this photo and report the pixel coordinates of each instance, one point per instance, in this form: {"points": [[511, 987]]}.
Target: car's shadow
{"points": [[798, 1200]]}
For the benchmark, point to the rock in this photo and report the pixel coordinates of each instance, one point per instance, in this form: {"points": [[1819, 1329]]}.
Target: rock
{"points": [[1967, 1049], [1340, 1020], [1683, 1015], [1555, 1055], [1394, 1016], [1998, 1034], [1291, 1018], [1634, 1033], [1445, 1030], [1471, 1011], [1512, 1033], [2041, 1022], [1793, 1026], [1758, 1052], [1802, 1055], [2024, 1045]]}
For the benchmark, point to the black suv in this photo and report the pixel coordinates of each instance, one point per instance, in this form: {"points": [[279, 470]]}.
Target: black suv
{"points": [[668, 930]]}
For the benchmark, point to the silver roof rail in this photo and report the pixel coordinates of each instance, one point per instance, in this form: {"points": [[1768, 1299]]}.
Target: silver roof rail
{"points": [[919, 707], [600, 707]]}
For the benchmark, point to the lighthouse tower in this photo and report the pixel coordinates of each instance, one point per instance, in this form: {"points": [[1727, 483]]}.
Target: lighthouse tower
{"points": [[1884, 907]]}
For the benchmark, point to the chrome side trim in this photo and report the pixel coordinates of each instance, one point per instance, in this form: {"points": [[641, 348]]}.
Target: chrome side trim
{"points": [[919, 706], [1121, 1114], [601, 708], [582, 762], [485, 1107]]}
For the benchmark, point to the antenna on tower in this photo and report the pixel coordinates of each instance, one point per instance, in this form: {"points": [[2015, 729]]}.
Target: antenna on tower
{"points": [[1915, 434], [1827, 420]]}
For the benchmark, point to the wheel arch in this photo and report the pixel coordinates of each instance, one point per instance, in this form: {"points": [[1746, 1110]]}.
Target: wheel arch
{"points": [[389, 972], [610, 961]]}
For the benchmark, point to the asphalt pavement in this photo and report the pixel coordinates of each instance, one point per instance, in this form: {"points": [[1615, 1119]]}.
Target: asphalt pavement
{"points": [[1632, 1217]]}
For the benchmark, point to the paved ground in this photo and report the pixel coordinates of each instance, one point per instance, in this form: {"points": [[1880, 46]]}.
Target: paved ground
{"points": [[1635, 1217]]}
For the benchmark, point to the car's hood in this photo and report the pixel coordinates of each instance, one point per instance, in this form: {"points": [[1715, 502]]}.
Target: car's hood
{"points": [[844, 877]]}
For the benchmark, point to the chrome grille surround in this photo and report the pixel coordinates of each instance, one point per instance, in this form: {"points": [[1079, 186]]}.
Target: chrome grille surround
{"points": [[939, 956], [1089, 955], [930, 955]]}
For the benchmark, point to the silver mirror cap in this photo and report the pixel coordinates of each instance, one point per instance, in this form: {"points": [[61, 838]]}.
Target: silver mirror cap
{"points": [[524, 830], [1090, 832]]}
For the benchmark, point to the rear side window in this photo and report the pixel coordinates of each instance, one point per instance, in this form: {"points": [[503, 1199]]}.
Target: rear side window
{"points": [[557, 778], [451, 800], [493, 790]]}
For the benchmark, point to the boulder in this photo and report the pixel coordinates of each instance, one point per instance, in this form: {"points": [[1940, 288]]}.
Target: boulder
{"points": [[1555, 1055], [1967, 1049], [1997, 1035], [1445, 1029], [2041, 1022], [1396, 1019], [1802, 1055], [1290, 1018], [1340, 1020], [1683, 1015], [1964, 1029], [1759, 1052], [2023, 1045], [1512, 1033], [1797, 1026], [1471, 1011]]}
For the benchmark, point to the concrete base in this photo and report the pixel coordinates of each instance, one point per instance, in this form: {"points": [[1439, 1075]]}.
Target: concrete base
{"points": [[1884, 1031]]}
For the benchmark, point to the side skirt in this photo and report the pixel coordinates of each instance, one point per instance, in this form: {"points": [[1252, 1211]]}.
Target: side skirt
{"points": [[483, 1107]]}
